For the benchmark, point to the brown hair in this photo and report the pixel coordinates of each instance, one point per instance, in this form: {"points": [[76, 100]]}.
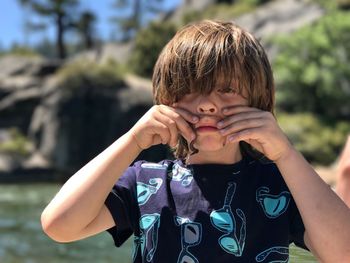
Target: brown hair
{"points": [[206, 54]]}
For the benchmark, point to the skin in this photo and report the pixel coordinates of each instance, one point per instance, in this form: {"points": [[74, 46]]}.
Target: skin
{"points": [[78, 210], [343, 174]]}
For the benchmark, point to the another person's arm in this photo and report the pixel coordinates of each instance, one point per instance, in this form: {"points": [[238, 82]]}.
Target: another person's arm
{"points": [[78, 209], [343, 174]]}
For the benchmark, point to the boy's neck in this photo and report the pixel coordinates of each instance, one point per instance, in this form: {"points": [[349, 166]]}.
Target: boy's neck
{"points": [[227, 155]]}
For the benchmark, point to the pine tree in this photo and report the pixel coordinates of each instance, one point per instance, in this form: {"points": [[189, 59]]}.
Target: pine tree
{"points": [[132, 15], [60, 11]]}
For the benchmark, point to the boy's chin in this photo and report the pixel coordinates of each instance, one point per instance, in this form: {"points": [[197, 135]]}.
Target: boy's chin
{"points": [[210, 145]]}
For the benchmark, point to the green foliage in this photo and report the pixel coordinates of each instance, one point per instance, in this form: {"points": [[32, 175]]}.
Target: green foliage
{"points": [[319, 142], [332, 5], [85, 28], [20, 51], [148, 44], [131, 16], [18, 144], [312, 69], [86, 74], [61, 12]]}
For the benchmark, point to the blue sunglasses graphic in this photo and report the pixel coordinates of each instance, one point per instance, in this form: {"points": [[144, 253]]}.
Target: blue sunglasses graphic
{"points": [[191, 235], [224, 220], [144, 191], [272, 205], [149, 225], [278, 249]]}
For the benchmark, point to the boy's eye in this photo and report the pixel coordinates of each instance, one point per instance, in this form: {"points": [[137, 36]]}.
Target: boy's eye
{"points": [[227, 90]]}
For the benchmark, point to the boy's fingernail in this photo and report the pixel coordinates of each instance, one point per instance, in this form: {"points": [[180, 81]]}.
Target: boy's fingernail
{"points": [[193, 136], [195, 119], [231, 138], [220, 123], [225, 110]]}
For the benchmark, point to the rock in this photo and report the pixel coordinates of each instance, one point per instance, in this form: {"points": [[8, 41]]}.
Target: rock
{"points": [[279, 17], [12, 65], [186, 6], [10, 162], [21, 82], [119, 52], [36, 160], [70, 128]]}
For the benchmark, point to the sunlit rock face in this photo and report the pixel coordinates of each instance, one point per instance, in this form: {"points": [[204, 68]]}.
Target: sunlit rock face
{"points": [[66, 127]]}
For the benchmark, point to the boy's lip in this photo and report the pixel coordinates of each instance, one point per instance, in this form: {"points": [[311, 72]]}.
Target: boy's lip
{"points": [[207, 124], [206, 129]]}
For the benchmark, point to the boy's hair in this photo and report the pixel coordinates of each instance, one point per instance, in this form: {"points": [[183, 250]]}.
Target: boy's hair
{"points": [[205, 55]]}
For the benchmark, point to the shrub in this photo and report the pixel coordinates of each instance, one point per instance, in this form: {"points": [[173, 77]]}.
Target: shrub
{"points": [[319, 142], [312, 69], [17, 144], [148, 44], [83, 74], [20, 51]]}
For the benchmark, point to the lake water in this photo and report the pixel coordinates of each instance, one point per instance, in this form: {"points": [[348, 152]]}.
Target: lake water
{"points": [[22, 240]]}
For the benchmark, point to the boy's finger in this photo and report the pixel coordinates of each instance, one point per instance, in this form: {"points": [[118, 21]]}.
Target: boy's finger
{"points": [[182, 119], [237, 109], [242, 125], [239, 117], [188, 116], [162, 131], [171, 128]]}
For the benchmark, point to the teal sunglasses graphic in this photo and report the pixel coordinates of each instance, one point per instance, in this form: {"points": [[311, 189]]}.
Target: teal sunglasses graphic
{"points": [[191, 235], [278, 249], [149, 225], [144, 191], [272, 205], [224, 220]]}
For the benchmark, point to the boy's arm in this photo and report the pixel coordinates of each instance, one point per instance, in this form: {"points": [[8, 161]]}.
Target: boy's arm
{"points": [[325, 216], [78, 210]]}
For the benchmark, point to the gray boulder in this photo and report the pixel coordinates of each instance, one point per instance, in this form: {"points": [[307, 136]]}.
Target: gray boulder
{"points": [[69, 129]]}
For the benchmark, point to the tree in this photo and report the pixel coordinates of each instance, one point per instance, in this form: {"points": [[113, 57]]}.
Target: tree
{"points": [[60, 11], [132, 15], [312, 68], [148, 44], [85, 28]]}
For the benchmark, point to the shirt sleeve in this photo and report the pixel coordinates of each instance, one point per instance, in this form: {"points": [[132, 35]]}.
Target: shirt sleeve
{"points": [[297, 228], [122, 204]]}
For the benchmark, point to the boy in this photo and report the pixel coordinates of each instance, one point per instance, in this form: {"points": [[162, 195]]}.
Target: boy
{"points": [[221, 200]]}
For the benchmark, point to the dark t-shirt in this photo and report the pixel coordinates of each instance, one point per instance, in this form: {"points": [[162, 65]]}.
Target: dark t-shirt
{"points": [[242, 212]]}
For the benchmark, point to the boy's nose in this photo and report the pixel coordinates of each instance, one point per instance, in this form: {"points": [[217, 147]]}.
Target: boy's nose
{"points": [[206, 107]]}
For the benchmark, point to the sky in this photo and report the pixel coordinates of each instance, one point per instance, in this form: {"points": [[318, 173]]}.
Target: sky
{"points": [[13, 17]]}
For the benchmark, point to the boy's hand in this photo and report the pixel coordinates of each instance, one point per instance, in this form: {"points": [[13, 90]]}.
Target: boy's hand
{"points": [[256, 127], [163, 124]]}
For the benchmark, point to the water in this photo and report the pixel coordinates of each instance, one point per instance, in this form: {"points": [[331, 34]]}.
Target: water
{"points": [[22, 240]]}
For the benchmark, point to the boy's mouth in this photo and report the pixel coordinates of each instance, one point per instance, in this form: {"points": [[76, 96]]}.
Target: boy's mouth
{"points": [[206, 128], [207, 124]]}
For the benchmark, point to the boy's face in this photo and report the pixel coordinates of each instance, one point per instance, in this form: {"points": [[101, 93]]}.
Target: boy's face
{"points": [[209, 110]]}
